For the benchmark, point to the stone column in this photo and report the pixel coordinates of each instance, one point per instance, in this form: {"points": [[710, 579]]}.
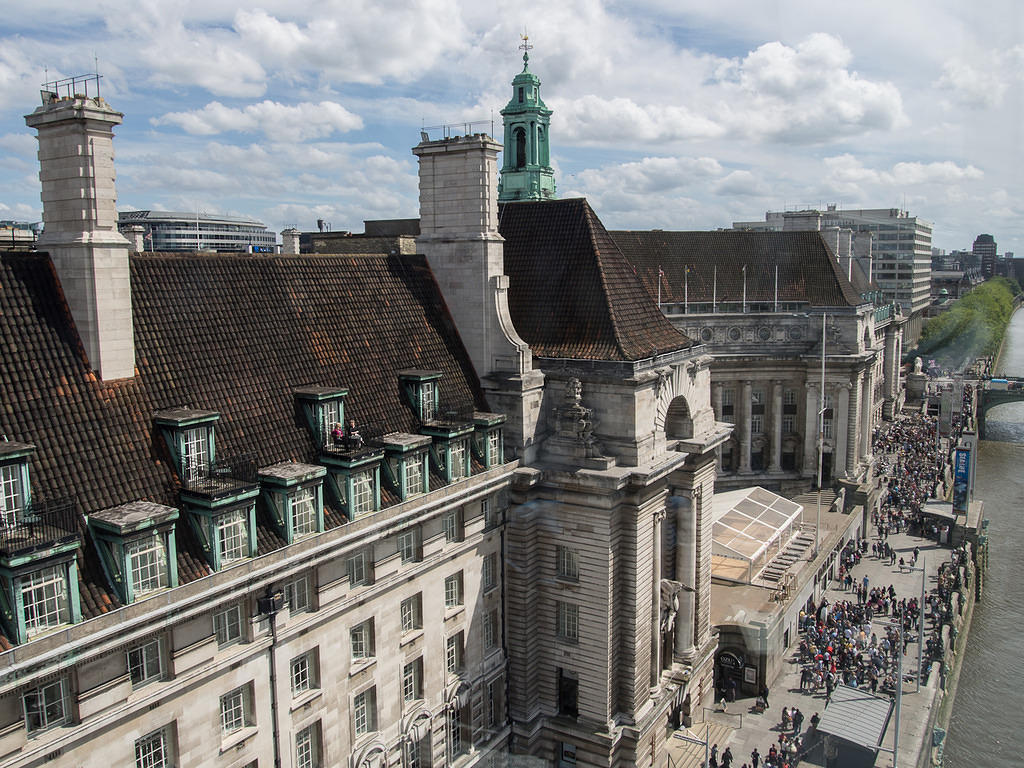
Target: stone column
{"points": [[890, 373], [867, 414], [811, 431], [840, 427], [745, 427], [716, 400], [853, 422], [686, 574], [776, 458], [659, 516]]}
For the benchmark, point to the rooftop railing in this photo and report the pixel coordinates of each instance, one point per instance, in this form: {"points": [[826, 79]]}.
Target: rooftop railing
{"points": [[223, 476], [39, 525]]}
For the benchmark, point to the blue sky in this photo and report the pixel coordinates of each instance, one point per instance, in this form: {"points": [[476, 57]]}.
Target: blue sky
{"points": [[667, 113]]}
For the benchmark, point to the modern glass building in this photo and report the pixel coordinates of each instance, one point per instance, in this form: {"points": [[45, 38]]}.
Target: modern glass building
{"points": [[176, 231]]}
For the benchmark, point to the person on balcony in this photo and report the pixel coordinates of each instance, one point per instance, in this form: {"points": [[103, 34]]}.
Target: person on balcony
{"points": [[337, 435], [352, 437]]}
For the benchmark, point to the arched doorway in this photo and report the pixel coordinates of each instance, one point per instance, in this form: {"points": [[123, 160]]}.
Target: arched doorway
{"points": [[519, 139]]}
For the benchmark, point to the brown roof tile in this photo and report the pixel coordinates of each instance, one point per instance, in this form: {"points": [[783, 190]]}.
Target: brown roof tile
{"points": [[808, 272], [571, 292]]}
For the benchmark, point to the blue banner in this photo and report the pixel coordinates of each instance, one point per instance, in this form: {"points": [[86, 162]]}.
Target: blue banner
{"points": [[961, 480]]}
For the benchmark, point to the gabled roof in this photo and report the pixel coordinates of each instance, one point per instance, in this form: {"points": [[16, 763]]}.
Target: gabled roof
{"points": [[220, 332], [808, 271], [571, 292]]}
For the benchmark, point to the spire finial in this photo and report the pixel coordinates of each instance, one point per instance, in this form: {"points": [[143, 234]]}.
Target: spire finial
{"points": [[525, 48]]}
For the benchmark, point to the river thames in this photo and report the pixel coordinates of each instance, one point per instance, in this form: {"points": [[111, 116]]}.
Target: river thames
{"points": [[986, 727]]}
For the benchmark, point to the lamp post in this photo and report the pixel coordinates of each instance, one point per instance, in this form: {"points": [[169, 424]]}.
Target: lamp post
{"points": [[920, 624]]}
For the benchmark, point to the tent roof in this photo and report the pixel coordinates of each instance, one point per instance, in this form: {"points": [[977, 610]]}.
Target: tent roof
{"points": [[857, 716]]}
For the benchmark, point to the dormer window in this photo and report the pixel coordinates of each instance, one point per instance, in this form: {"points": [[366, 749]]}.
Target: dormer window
{"points": [[137, 547], [233, 539], [487, 441], [195, 454], [12, 494], [458, 460], [406, 464], [421, 391], [190, 437], [293, 493], [324, 408]]}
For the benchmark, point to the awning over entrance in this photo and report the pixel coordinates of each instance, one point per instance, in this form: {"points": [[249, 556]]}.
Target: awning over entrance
{"points": [[940, 509], [857, 717], [750, 526]]}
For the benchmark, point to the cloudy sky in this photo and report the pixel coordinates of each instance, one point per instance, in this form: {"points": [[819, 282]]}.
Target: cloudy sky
{"points": [[678, 114]]}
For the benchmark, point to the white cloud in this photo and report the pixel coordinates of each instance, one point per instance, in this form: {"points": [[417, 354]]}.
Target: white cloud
{"points": [[280, 122], [846, 168], [983, 80], [23, 144]]}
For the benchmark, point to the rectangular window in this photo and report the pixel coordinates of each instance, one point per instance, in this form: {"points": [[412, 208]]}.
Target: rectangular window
{"points": [[487, 510], [568, 562], [305, 673], [788, 423], [453, 525], [233, 535], [427, 400], [11, 497], [46, 706], [363, 495], [307, 747], [454, 734], [415, 471], [412, 680], [147, 564], [826, 429], [227, 625], [359, 570], [727, 396], [494, 447], [195, 460], [568, 621], [492, 704], [297, 595], [453, 590], [453, 653], [490, 571], [458, 463], [146, 662], [235, 710], [490, 629], [44, 595], [154, 750], [409, 546], [331, 417], [362, 640], [364, 712], [304, 512], [789, 397], [756, 424], [412, 613]]}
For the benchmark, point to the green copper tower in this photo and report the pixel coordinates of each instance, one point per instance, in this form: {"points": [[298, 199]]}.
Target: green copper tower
{"points": [[526, 172]]}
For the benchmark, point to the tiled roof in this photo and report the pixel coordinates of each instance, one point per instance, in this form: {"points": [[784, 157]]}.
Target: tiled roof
{"points": [[571, 292], [228, 333], [808, 271]]}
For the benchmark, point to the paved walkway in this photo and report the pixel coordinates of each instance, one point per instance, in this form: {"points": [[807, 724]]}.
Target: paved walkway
{"points": [[742, 729]]}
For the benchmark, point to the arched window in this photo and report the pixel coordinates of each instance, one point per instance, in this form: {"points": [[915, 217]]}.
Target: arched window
{"points": [[520, 144], [678, 423]]}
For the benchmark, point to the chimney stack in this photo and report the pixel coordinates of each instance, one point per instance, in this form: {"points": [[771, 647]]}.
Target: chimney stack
{"points": [[76, 168], [290, 240]]}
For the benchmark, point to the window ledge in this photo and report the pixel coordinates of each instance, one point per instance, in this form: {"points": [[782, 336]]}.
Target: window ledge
{"points": [[359, 665], [453, 612], [411, 636], [237, 739], [305, 698]]}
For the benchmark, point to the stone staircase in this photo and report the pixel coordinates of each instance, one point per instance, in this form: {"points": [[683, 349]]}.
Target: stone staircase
{"points": [[809, 501]]}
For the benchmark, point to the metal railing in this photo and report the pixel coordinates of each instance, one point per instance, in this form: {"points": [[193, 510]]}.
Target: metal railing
{"points": [[39, 525], [368, 441], [222, 475], [453, 413]]}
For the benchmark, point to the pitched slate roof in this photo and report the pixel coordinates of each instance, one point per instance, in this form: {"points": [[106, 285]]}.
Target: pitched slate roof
{"points": [[571, 292], [228, 333], [808, 271]]}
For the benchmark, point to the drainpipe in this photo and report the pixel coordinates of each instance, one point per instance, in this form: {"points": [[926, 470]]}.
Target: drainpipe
{"points": [[268, 606]]}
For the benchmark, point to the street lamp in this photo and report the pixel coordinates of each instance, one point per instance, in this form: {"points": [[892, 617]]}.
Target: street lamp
{"points": [[821, 436]]}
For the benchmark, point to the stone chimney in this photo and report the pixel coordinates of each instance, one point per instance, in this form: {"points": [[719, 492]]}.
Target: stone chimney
{"points": [[76, 168], [459, 236], [290, 240], [136, 234]]}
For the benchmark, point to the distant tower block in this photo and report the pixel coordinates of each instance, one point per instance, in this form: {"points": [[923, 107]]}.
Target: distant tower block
{"points": [[76, 168], [526, 172]]}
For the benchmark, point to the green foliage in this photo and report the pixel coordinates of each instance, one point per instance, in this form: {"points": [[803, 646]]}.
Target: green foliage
{"points": [[972, 327]]}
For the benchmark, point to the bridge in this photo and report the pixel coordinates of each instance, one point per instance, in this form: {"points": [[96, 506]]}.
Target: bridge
{"points": [[997, 392]]}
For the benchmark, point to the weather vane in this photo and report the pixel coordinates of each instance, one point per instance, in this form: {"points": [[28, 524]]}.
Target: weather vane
{"points": [[525, 47]]}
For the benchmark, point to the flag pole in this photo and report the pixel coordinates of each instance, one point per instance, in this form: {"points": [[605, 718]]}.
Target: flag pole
{"points": [[686, 291], [659, 285], [714, 291], [776, 287], [744, 289]]}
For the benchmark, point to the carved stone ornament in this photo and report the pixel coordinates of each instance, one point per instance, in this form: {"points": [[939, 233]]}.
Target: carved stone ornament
{"points": [[669, 604], [573, 441]]}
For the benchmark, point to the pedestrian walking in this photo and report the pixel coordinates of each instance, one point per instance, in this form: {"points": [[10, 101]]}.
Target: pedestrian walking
{"points": [[713, 758], [727, 758], [755, 758]]}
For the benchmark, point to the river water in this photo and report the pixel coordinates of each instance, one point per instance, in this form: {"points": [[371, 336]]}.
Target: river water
{"points": [[987, 728]]}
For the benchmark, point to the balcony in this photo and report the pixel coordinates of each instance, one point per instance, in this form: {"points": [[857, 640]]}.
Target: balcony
{"points": [[224, 477], [39, 525], [351, 448]]}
